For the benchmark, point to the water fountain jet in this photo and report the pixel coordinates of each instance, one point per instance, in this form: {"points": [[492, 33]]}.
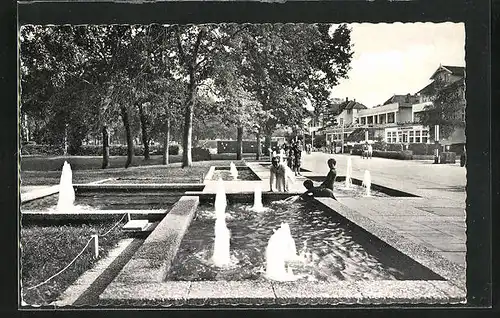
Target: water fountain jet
{"points": [[348, 174], [257, 201], [66, 199], [221, 256], [233, 170], [280, 249], [367, 182]]}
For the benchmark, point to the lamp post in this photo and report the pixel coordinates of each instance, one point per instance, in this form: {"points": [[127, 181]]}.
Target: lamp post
{"points": [[342, 148], [436, 142]]}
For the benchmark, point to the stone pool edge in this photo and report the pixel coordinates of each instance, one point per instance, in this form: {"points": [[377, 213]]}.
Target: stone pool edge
{"points": [[452, 272], [140, 284], [259, 293]]}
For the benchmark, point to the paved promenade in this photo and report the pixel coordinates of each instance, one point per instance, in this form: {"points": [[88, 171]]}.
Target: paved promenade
{"points": [[436, 219]]}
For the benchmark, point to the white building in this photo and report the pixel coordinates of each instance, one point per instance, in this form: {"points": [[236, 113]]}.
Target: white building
{"points": [[397, 120]]}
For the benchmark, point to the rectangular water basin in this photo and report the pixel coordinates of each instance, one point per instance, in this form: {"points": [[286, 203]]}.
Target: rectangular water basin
{"points": [[244, 174], [331, 247], [109, 200]]}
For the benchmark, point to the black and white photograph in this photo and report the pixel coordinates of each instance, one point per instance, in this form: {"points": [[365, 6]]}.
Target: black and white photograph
{"points": [[179, 165]]}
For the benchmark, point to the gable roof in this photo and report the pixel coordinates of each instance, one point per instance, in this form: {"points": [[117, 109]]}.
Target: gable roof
{"points": [[454, 70], [401, 99]]}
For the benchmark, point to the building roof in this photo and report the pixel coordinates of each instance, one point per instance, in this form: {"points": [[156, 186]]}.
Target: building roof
{"points": [[402, 99], [336, 109], [454, 70]]}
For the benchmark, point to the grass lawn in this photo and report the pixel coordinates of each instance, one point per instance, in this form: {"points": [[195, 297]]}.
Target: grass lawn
{"points": [[45, 250], [171, 173]]}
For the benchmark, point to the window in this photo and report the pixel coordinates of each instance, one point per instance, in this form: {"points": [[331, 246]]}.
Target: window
{"points": [[388, 137], [341, 121], [417, 139], [417, 133], [390, 118], [424, 140], [412, 133], [363, 120], [411, 140]]}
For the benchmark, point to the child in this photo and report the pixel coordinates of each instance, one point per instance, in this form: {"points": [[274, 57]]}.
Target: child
{"points": [[332, 174], [278, 173], [316, 192]]}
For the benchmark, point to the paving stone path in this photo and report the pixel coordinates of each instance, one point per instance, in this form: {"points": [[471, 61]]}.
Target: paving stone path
{"points": [[436, 219]]}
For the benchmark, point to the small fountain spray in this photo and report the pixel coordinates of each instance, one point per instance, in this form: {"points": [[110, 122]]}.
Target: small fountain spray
{"points": [[280, 249], [348, 174], [367, 182], [257, 202], [221, 256], [233, 170], [66, 192]]}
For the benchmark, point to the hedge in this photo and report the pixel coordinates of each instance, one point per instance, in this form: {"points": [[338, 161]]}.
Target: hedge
{"points": [[422, 149], [230, 146], [45, 150], [401, 155], [200, 154], [94, 150]]}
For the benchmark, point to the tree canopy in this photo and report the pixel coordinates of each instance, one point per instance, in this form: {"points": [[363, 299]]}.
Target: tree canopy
{"points": [[147, 80]]}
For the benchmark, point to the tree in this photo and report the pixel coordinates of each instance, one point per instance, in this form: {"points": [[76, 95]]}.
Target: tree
{"points": [[199, 48], [446, 109], [286, 65]]}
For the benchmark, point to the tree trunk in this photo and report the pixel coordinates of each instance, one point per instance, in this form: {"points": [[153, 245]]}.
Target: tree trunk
{"points": [[130, 141], [239, 149], [259, 150], [187, 137], [166, 143], [65, 144], [144, 130], [105, 147], [268, 143]]}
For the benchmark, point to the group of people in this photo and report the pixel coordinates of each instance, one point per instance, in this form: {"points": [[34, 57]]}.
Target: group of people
{"points": [[279, 179], [367, 151], [292, 154]]}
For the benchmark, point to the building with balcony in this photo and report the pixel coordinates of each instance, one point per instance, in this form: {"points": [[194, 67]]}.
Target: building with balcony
{"points": [[397, 120]]}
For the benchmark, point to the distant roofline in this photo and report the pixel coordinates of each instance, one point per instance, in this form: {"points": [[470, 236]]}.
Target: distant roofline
{"points": [[448, 69]]}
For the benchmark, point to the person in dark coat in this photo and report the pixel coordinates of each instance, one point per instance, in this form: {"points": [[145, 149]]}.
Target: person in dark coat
{"points": [[297, 158]]}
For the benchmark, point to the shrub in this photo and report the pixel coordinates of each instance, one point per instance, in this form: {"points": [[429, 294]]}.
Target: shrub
{"points": [[380, 145], [319, 141], [395, 147], [200, 154], [421, 149], [457, 149], [400, 155], [45, 150], [448, 157]]}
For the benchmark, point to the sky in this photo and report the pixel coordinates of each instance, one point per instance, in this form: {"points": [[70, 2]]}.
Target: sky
{"points": [[398, 58]]}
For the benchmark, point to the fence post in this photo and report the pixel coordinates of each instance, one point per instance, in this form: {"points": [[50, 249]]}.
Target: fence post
{"points": [[96, 245]]}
